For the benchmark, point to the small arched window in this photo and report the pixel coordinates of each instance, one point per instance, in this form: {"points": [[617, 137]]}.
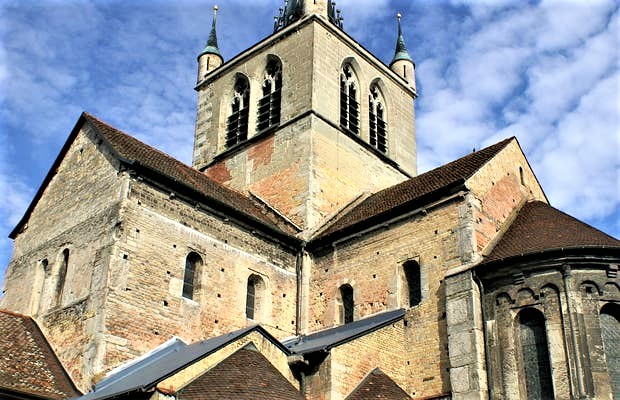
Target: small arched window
{"points": [[535, 354], [346, 304], [62, 276], [191, 276], [349, 105], [376, 116], [269, 104], [237, 122], [412, 285], [610, 332], [254, 296]]}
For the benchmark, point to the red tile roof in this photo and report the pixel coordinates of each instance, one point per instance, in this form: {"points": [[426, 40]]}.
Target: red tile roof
{"points": [[134, 150], [539, 227], [28, 364], [246, 374], [377, 385], [416, 188]]}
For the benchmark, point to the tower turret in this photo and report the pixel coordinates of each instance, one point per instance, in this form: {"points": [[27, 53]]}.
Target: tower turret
{"points": [[402, 64], [210, 58], [294, 10]]}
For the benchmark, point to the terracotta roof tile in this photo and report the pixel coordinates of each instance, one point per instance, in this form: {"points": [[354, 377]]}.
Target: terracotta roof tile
{"points": [[378, 385], [539, 227], [416, 188], [134, 150], [246, 374], [28, 364]]}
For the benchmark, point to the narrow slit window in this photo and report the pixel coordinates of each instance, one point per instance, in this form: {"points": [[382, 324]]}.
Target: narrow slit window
{"points": [[346, 304], [254, 297], [376, 117], [237, 122], [270, 104], [349, 105], [62, 276], [191, 276], [412, 285]]}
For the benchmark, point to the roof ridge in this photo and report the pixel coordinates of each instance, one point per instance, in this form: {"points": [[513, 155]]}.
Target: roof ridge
{"points": [[129, 148], [416, 188], [496, 146]]}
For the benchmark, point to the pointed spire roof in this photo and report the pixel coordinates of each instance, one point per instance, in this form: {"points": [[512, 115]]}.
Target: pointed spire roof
{"points": [[401, 52], [211, 47]]}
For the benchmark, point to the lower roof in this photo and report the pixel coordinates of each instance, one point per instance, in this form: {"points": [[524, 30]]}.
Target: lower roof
{"points": [[538, 227], [28, 365], [329, 338]]}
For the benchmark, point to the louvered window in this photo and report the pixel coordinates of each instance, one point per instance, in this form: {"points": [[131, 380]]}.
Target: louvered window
{"points": [[237, 122], [376, 117], [535, 353], [349, 106], [269, 104]]}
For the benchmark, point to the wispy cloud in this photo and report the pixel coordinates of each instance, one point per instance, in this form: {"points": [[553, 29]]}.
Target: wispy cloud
{"points": [[546, 71]]}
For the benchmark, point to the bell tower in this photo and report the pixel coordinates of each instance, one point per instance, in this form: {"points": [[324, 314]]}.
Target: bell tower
{"points": [[307, 120]]}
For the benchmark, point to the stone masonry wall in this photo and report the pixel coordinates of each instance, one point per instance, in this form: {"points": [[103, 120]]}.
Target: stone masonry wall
{"points": [[321, 167], [78, 212], [331, 50], [215, 95], [384, 349], [499, 189], [372, 265], [145, 305]]}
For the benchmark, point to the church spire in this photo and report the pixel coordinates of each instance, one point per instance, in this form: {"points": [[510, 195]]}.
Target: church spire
{"points": [[402, 64], [211, 47], [401, 52], [210, 58]]}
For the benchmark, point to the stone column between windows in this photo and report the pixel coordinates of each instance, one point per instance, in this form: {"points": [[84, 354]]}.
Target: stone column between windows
{"points": [[468, 376]]}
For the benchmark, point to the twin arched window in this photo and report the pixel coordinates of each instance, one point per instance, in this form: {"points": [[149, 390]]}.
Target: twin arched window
{"points": [[350, 109], [269, 105], [349, 106], [191, 276]]}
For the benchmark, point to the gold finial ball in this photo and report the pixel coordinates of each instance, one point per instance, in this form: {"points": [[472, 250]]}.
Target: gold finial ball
{"points": [[215, 8], [399, 16]]}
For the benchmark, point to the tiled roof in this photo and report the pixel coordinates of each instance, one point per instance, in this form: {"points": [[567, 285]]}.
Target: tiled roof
{"points": [[378, 385], [539, 227], [133, 150], [28, 364], [328, 338], [416, 189], [246, 374], [165, 361]]}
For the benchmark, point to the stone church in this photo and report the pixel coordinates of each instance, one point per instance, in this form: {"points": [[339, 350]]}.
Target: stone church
{"points": [[302, 256]]}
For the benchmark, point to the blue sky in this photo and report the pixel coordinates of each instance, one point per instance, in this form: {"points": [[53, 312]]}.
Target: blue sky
{"points": [[544, 71]]}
